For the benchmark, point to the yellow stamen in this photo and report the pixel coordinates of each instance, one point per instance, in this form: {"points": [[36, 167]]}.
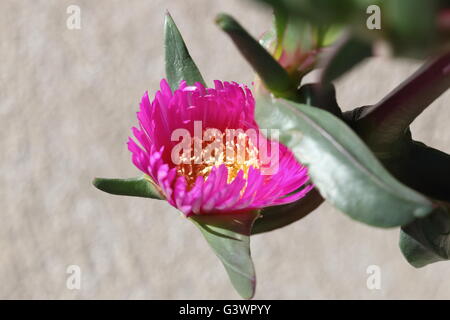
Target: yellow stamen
{"points": [[237, 153]]}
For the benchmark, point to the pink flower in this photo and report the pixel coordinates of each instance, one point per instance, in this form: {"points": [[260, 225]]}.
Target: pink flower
{"points": [[212, 183]]}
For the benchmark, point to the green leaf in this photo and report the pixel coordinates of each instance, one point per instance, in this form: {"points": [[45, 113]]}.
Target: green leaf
{"points": [[422, 168], [269, 70], [432, 170], [343, 56], [328, 35], [384, 123], [317, 11], [280, 23], [427, 240], [272, 218], [412, 25], [179, 64], [229, 237], [135, 187], [320, 95], [341, 166]]}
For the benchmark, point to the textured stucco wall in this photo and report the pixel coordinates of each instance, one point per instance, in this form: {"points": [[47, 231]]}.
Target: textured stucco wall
{"points": [[67, 102]]}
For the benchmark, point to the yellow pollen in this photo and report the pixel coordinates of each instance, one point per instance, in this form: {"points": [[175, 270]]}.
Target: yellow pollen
{"points": [[237, 152]]}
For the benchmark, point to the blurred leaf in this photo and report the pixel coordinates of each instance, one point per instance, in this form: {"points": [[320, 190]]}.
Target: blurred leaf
{"points": [[269, 70], [412, 25], [272, 218], [300, 35], [280, 22], [328, 35], [422, 168], [179, 64], [341, 166], [343, 56], [268, 41], [294, 44], [135, 187], [409, 26], [431, 170], [383, 124], [229, 237], [427, 240], [317, 11], [322, 96]]}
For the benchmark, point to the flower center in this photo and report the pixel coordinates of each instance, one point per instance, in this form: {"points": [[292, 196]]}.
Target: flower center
{"points": [[237, 152]]}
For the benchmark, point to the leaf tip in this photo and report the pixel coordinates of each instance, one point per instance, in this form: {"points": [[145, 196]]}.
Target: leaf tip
{"points": [[96, 182], [251, 293], [412, 251], [168, 20], [101, 184], [226, 22]]}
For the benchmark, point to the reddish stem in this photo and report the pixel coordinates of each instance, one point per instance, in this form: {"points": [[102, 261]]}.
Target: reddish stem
{"points": [[388, 119]]}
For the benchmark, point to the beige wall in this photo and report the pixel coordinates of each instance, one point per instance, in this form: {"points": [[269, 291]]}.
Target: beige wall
{"points": [[68, 100]]}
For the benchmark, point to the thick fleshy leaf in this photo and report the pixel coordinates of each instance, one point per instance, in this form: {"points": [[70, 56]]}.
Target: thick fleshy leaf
{"points": [[280, 23], [384, 123], [422, 168], [272, 218], [343, 56], [320, 95], [179, 64], [295, 44], [427, 240], [409, 26], [135, 187], [229, 237], [269, 70], [341, 166], [412, 25], [317, 11]]}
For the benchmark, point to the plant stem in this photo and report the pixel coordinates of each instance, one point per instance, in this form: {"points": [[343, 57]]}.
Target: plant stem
{"points": [[274, 76], [386, 122]]}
